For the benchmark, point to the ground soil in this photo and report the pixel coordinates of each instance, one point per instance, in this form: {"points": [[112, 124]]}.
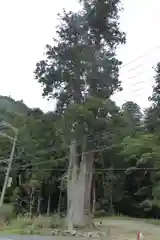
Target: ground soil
{"points": [[122, 229]]}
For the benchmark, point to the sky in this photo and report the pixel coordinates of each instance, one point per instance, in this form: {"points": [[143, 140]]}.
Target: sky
{"points": [[26, 26]]}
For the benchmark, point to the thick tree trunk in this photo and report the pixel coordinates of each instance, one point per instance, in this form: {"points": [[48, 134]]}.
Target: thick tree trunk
{"points": [[86, 181], [31, 204], [94, 197], [48, 205], [59, 200], [39, 206], [79, 188]]}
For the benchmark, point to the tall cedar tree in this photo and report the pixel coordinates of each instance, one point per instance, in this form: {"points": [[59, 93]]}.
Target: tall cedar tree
{"points": [[82, 66]]}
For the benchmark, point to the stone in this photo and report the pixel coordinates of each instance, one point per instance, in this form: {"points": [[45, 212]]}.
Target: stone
{"points": [[73, 232]]}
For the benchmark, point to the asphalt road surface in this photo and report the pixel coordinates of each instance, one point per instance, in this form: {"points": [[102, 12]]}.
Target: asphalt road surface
{"points": [[31, 237], [133, 225]]}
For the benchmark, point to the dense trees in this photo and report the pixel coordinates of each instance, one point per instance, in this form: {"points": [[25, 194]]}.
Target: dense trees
{"points": [[126, 167], [89, 153]]}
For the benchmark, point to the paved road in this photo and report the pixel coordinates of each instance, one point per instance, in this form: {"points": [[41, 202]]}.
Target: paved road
{"points": [[29, 237], [132, 225]]}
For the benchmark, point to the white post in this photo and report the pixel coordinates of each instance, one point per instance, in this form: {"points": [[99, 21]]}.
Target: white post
{"points": [[140, 236]]}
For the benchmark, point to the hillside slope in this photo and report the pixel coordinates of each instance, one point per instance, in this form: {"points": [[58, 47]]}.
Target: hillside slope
{"points": [[10, 105]]}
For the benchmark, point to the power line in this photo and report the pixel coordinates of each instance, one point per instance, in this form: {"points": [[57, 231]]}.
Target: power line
{"points": [[97, 136], [65, 157], [96, 169], [136, 91], [99, 133], [133, 85], [135, 67], [134, 76], [141, 56]]}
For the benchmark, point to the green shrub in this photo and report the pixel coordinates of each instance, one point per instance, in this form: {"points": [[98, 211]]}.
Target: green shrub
{"points": [[6, 213], [100, 213]]}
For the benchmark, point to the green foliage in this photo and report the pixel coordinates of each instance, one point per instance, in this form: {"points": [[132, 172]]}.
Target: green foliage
{"points": [[6, 213], [78, 64], [152, 119], [81, 71], [41, 140], [12, 106], [133, 118]]}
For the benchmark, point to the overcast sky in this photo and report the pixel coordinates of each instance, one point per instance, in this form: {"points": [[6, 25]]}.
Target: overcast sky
{"points": [[26, 26]]}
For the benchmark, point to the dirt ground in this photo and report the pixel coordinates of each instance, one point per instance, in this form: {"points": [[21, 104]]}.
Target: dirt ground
{"points": [[119, 229], [114, 229]]}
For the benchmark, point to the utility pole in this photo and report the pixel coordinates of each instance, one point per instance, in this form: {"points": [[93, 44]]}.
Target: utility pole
{"points": [[8, 169]]}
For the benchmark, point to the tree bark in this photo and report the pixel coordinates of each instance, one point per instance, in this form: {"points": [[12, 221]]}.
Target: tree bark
{"points": [[39, 206], [59, 200], [31, 204], [94, 197], [79, 188], [48, 205]]}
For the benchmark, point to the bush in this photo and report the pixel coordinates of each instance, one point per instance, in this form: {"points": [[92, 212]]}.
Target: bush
{"points": [[100, 213], [6, 213]]}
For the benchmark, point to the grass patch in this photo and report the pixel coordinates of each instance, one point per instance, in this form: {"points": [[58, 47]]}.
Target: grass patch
{"points": [[44, 225], [6, 213], [41, 225]]}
